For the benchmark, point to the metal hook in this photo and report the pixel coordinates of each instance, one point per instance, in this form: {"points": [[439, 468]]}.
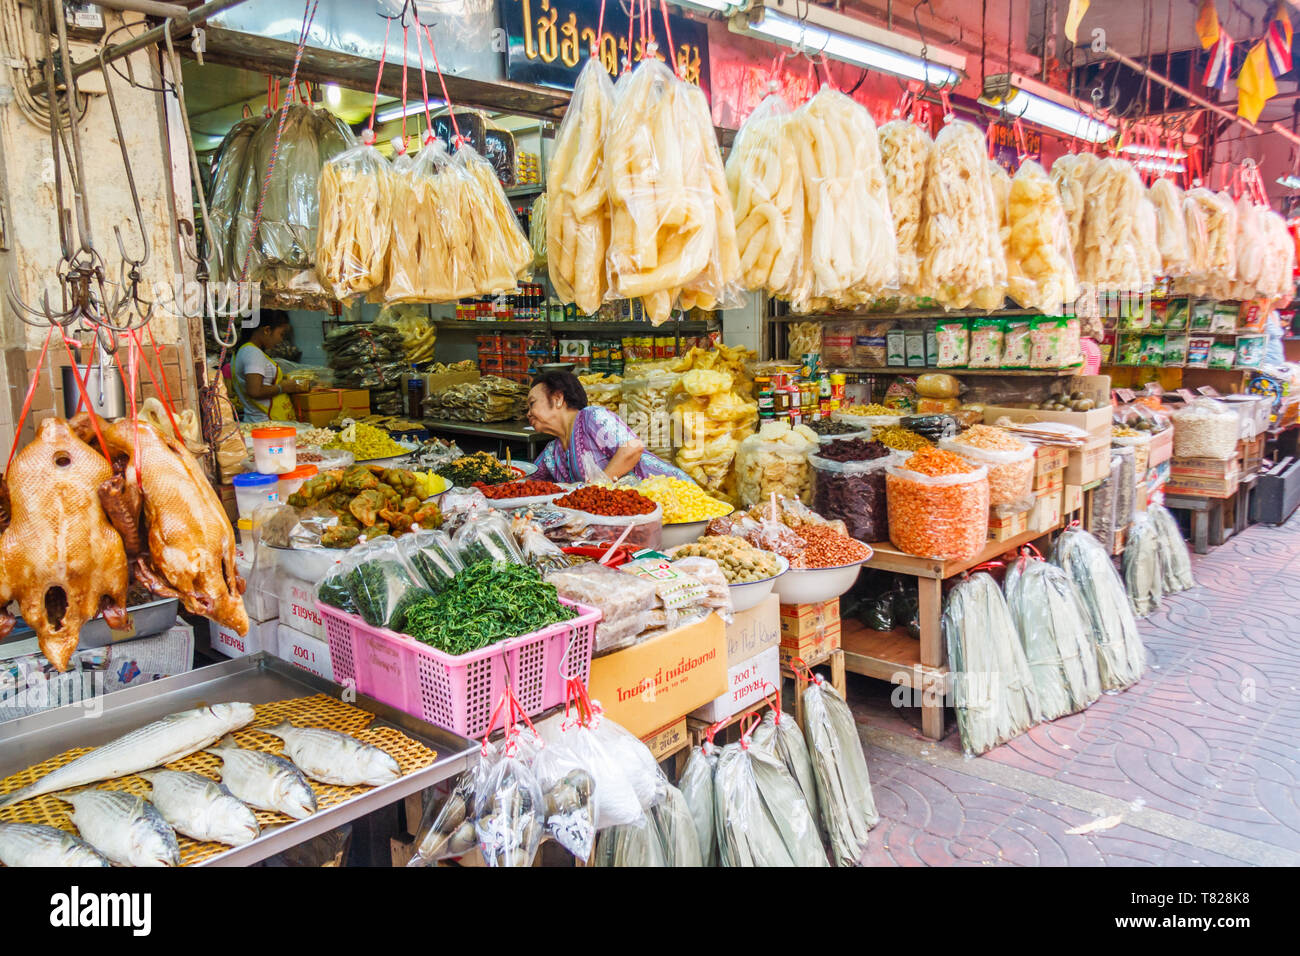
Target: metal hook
{"points": [[130, 176]]}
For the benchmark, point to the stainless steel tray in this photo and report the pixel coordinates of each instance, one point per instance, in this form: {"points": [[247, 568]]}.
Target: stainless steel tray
{"points": [[146, 620], [257, 679]]}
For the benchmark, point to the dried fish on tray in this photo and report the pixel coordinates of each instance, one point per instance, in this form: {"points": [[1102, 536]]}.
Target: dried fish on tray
{"points": [[490, 399]]}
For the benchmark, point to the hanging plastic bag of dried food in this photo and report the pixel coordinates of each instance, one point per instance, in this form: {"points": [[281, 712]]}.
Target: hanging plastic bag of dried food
{"points": [[762, 817], [1142, 572], [697, 788], [577, 194], [499, 251], [963, 260], [431, 557], [1110, 255], [508, 812], [675, 826], [449, 830], [905, 151], [767, 195], [1121, 658], [663, 221], [844, 798], [1171, 227], [1055, 633], [779, 733], [1175, 561], [381, 586], [225, 196], [428, 251], [1070, 175], [629, 845], [994, 691], [1040, 263], [719, 284], [568, 788], [356, 204]]}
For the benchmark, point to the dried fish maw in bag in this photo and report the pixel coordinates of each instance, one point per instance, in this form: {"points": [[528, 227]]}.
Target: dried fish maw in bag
{"points": [[498, 249], [1040, 266], [718, 286], [763, 179], [225, 197], [905, 154], [1070, 177], [356, 206], [1109, 255], [577, 196], [1171, 227], [844, 797], [663, 223], [963, 260], [428, 251]]}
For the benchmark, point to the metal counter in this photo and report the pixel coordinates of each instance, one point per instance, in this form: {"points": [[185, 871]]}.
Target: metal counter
{"points": [[257, 679]]}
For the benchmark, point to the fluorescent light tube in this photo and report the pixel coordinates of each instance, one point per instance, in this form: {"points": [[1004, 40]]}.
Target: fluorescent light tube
{"points": [[1135, 149], [1042, 111], [410, 109], [841, 46]]}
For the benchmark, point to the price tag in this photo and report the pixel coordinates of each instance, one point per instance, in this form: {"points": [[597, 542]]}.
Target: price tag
{"points": [[1208, 391], [1125, 395], [1186, 394]]}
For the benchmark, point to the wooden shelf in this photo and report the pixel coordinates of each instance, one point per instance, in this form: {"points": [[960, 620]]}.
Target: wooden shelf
{"points": [[990, 372], [573, 328], [936, 313], [532, 189], [886, 557], [893, 656]]}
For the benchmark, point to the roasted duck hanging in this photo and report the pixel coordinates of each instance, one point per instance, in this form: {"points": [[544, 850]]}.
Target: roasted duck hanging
{"points": [[187, 549], [60, 557]]}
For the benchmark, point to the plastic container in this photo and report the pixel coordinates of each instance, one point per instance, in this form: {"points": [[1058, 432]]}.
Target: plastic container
{"points": [[254, 489], [275, 450], [291, 481], [460, 692], [620, 556]]}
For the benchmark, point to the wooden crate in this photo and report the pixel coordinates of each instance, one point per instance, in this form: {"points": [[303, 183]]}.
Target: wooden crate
{"points": [[834, 662]]}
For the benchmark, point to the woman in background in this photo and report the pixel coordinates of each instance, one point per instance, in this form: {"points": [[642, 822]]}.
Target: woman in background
{"points": [[260, 385]]}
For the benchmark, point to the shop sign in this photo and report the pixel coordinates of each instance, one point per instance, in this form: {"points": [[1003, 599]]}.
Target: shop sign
{"points": [[1008, 151], [549, 41]]}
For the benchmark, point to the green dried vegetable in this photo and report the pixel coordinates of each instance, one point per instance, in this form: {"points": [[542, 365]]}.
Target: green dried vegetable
{"points": [[480, 466], [487, 602]]}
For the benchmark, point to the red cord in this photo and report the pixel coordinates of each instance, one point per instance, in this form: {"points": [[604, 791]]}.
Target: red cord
{"points": [[451, 110], [27, 402], [379, 79]]}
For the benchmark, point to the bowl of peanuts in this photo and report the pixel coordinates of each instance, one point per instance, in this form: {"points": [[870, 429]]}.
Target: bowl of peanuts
{"points": [[832, 563]]}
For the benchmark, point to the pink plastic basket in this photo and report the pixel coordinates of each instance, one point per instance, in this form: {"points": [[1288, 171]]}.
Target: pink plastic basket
{"points": [[460, 692]]}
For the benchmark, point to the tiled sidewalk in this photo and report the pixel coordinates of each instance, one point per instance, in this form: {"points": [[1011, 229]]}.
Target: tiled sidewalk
{"points": [[1199, 761]]}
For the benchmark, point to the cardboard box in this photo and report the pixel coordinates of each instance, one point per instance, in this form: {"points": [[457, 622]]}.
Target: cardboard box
{"points": [[321, 406], [1050, 458], [747, 684], [667, 740], [1204, 467], [1049, 481], [298, 608], [754, 631], [646, 686], [1005, 527], [436, 382], [1072, 499], [1202, 487], [1141, 496], [1046, 513], [307, 653], [1162, 447], [800, 619], [1096, 387], [260, 637], [1090, 463], [811, 647]]}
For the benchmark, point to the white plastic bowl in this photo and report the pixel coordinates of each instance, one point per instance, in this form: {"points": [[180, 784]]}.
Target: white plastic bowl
{"points": [[307, 564], [811, 585], [751, 593], [525, 468], [684, 532]]}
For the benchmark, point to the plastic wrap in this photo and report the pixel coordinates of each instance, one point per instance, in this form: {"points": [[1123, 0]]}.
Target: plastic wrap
{"points": [[1143, 575], [1205, 428], [1211, 239], [963, 264], [682, 598], [509, 813], [1055, 632], [994, 693], [1010, 464], [675, 826], [711, 419], [775, 460], [762, 818], [1171, 227], [717, 586], [839, 343], [581, 527], [1175, 562], [1040, 263], [625, 601], [1123, 473], [646, 398], [779, 733], [428, 250], [623, 777], [332, 589], [850, 252], [766, 192], [577, 214], [696, 784], [500, 254], [844, 797], [538, 550], [942, 516], [356, 207], [630, 845], [381, 587], [853, 490], [1070, 174], [431, 557], [905, 151], [486, 537], [1121, 657], [663, 173], [225, 195]]}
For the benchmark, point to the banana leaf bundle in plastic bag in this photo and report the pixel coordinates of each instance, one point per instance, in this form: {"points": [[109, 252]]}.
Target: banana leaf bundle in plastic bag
{"points": [[696, 785], [1056, 634], [762, 818], [994, 689], [225, 194], [1175, 562], [844, 797], [675, 826], [779, 733], [629, 844], [1121, 658], [1143, 576]]}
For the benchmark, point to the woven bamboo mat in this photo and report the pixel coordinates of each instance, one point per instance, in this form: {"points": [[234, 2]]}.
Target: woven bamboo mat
{"points": [[321, 710]]}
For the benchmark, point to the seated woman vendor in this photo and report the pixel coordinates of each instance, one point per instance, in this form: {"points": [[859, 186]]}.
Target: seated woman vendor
{"points": [[591, 438], [262, 389]]}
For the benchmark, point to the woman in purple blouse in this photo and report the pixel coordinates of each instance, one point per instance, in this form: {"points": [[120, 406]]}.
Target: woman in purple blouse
{"points": [[591, 438]]}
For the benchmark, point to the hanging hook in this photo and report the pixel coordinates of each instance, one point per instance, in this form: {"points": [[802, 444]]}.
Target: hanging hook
{"points": [[136, 263]]}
